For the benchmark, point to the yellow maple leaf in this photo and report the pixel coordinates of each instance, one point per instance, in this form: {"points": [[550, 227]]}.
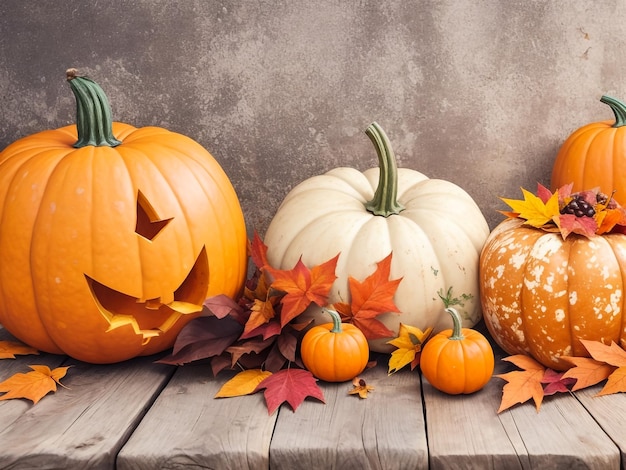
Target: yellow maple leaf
{"points": [[33, 385], [8, 349], [533, 209], [244, 383], [409, 343]]}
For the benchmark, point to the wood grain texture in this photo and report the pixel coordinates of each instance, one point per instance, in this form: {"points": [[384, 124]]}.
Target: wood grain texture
{"points": [[563, 435], [83, 425], [187, 427], [609, 411], [465, 431], [384, 431], [11, 410]]}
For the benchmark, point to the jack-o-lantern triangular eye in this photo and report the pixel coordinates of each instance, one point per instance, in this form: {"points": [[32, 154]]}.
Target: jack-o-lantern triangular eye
{"points": [[149, 224]]}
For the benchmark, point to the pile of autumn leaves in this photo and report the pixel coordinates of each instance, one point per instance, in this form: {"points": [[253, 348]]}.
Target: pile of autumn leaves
{"points": [[260, 332]]}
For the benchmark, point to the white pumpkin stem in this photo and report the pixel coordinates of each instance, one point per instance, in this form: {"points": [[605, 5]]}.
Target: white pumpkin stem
{"points": [[93, 113], [385, 201]]}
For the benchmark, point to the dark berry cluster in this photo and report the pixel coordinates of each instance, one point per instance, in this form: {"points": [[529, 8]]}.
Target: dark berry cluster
{"points": [[579, 207]]}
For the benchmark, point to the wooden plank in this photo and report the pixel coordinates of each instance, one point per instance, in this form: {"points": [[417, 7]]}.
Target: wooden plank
{"points": [[188, 427], [84, 425], [10, 410], [465, 432], [384, 431], [564, 435], [609, 411]]}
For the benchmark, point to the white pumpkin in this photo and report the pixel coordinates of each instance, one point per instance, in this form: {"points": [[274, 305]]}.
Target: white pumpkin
{"points": [[432, 227]]}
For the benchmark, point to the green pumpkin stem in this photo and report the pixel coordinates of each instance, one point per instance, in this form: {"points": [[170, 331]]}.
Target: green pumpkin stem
{"points": [[93, 113], [385, 201], [336, 320], [618, 108], [456, 324]]}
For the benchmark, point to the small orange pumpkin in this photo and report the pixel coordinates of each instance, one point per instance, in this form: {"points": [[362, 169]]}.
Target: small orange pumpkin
{"points": [[459, 360], [595, 155], [112, 236], [334, 352]]}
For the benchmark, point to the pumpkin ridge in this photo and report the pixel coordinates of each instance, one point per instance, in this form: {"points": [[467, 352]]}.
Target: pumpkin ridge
{"points": [[129, 153], [622, 267], [594, 168]]}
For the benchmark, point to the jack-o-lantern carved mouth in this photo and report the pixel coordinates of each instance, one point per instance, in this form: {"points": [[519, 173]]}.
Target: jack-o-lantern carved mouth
{"points": [[152, 317]]}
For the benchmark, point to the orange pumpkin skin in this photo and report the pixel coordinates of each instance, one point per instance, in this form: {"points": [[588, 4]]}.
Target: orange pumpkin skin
{"points": [[108, 251], [595, 156], [541, 294], [458, 360], [335, 352]]}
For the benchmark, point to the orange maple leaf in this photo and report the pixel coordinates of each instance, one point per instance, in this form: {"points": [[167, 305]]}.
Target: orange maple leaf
{"points": [[8, 349], [614, 356], [303, 286], [522, 385], [262, 311], [586, 371], [33, 385], [371, 298], [374, 295]]}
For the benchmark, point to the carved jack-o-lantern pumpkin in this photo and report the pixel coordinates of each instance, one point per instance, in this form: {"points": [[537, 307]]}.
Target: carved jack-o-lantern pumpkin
{"points": [[110, 244]]}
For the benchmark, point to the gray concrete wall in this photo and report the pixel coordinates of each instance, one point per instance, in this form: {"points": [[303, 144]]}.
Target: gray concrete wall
{"points": [[481, 93]]}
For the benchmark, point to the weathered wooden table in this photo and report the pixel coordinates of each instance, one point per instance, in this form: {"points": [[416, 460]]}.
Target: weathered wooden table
{"points": [[142, 415]]}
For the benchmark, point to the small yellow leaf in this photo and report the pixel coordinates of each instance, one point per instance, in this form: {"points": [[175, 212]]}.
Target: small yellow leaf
{"points": [[244, 383], [533, 209], [360, 388], [400, 358], [409, 343], [33, 385], [8, 349]]}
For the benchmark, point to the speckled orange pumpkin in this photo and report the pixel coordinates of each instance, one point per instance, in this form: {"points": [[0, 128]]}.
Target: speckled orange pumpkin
{"points": [[540, 293]]}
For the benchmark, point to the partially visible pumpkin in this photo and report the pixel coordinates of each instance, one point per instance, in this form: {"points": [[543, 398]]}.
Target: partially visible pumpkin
{"points": [[434, 229], [111, 237], [334, 352], [595, 155], [541, 293], [458, 360]]}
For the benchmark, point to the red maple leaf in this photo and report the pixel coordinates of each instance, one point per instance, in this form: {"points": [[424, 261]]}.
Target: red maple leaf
{"points": [[371, 298], [544, 193], [258, 251], [569, 223], [302, 286], [554, 382], [291, 386]]}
